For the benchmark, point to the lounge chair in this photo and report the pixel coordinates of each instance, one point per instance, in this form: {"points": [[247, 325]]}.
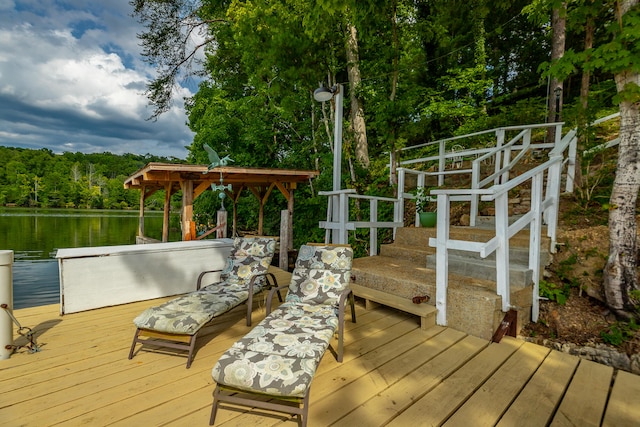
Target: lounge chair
{"points": [[176, 323], [279, 357]]}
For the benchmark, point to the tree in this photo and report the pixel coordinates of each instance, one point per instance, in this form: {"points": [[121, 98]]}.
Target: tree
{"points": [[622, 56], [558, 28], [358, 125], [178, 31]]}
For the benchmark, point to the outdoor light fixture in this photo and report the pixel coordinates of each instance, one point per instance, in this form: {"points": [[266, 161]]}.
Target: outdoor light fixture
{"points": [[558, 92], [323, 94]]}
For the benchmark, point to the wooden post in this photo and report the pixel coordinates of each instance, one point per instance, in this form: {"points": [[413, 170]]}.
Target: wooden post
{"points": [[284, 239], [502, 251], [500, 135], [442, 258], [373, 231], [188, 226], [535, 232], [235, 198], [141, 213], [221, 218], [290, 210], [167, 210], [260, 217]]}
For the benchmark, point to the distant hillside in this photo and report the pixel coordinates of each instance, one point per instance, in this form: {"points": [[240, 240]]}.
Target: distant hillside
{"points": [[40, 178]]}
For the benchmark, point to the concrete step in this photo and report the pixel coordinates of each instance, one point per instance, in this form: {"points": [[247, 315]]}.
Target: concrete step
{"points": [[406, 278], [406, 269], [473, 306], [407, 252], [517, 255], [519, 275], [419, 236]]}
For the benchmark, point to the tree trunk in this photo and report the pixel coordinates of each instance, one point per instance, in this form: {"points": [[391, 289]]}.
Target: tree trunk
{"points": [[357, 111], [480, 51], [558, 26], [393, 166], [620, 274], [583, 116]]}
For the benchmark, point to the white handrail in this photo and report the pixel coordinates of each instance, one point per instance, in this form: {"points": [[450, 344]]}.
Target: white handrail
{"points": [[343, 224], [494, 187]]}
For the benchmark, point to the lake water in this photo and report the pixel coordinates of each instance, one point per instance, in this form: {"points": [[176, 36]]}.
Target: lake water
{"points": [[35, 235]]}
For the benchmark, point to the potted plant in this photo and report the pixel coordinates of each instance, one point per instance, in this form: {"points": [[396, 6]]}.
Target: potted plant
{"points": [[423, 200]]}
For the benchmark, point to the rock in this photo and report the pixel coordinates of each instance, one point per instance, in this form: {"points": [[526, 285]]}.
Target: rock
{"points": [[603, 354], [635, 364]]}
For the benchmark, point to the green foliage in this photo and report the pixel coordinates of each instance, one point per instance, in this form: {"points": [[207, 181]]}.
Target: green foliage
{"points": [[554, 292], [428, 70], [40, 178], [423, 199], [565, 268], [620, 332]]}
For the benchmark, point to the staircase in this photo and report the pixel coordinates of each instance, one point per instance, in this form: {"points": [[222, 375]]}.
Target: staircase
{"points": [[406, 269]]}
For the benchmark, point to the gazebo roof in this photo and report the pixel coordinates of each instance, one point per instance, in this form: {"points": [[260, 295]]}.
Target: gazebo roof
{"points": [[159, 175], [194, 180]]}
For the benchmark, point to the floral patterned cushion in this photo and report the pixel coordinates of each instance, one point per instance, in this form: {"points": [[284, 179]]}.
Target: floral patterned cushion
{"points": [[249, 256], [280, 355], [321, 274], [188, 313]]}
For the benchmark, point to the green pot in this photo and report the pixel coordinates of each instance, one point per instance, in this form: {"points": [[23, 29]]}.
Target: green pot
{"points": [[428, 219]]}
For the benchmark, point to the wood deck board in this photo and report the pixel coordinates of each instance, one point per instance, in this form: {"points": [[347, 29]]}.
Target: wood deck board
{"points": [[336, 405], [537, 403], [439, 404], [393, 372], [490, 401], [623, 409], [387, 403], [586, 396]]}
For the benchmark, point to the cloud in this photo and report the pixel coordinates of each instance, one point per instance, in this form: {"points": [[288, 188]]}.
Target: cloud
{"points": [[72, 79]]}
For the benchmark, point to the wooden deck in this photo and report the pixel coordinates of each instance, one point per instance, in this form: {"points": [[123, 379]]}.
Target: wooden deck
{"points": [[393, 373]]}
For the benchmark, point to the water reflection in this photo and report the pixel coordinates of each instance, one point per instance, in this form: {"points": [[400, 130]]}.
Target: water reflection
{"points": [[35, 283], [35, 235]]}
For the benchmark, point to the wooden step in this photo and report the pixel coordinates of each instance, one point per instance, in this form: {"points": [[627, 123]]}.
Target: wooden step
{"points": [[374, 297]]}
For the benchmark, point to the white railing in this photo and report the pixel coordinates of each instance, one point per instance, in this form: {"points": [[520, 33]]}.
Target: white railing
{"points": [[499, 195], [337, 228], [492, 187], [607, 144], [500, 158], [450, 151]]}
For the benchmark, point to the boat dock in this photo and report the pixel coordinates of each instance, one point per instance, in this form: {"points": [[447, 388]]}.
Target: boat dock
{"points": [[394, 373]]}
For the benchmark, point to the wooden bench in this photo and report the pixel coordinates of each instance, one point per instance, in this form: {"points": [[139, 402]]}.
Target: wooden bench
{"points": [[374, 297]]}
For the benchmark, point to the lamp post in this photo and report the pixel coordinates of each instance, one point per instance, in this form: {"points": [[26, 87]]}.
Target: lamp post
{"points": [[323, 94]]}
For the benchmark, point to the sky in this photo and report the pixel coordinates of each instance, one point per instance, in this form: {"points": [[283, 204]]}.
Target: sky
{"points": [[72, 79]]}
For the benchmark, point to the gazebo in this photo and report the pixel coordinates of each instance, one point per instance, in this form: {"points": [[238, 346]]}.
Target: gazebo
{"points": [[194, 180]]}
